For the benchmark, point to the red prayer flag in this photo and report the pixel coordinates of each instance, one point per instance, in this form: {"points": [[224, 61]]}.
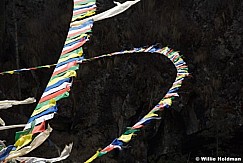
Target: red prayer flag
{"points": [[39, 128]]}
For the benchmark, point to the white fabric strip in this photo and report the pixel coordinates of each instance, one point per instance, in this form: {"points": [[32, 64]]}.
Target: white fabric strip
{"points": [[88, 27], [39, 120], [11, 126], [65, 153], [9, 103], [62, 86], [109, 13], [2, 122], [59, 68], [70, 47]]}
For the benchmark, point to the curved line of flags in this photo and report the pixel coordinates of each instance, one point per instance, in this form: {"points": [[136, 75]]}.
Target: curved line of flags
{"points": [[165, 102]]}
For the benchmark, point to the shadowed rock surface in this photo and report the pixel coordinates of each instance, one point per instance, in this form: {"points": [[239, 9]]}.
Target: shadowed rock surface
{"points": [[110, 94]]}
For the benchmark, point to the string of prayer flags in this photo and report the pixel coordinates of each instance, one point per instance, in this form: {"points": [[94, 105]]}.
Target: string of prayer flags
{"points": [[26, 69], [60, 82], [165, 102], [64, 72]]}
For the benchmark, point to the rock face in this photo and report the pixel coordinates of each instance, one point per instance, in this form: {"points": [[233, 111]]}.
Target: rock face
{"points": [[110, 94]]}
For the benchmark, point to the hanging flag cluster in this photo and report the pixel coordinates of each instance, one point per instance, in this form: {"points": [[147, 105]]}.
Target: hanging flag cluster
{"points": [[61, 80], [166, 102], [59, 85]]}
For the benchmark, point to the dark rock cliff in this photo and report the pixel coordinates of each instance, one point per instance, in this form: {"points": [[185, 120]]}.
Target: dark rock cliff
{"points": [[113, 93]]}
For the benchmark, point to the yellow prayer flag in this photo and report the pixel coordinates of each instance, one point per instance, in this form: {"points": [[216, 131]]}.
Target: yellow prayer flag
{"points": [[150, 114], [74, 55], [93, 157], [11, 72], [45, 107], [88, 13], [126, 138], [180, 76], [24, 140], [76, 38], [167, 101], [69, 74]]}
